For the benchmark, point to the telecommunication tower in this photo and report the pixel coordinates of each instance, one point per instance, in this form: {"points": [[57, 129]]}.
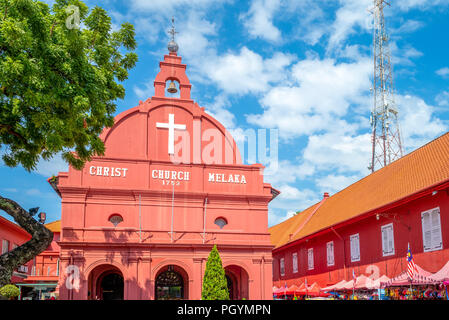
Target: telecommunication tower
{"points": [[386, 138]]}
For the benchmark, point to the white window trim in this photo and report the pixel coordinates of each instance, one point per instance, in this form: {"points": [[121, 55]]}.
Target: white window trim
{"points": [[282, 267], [330, 263], [385, 227], [295, 262], [310, 262], [432, 247], [354, 236]]}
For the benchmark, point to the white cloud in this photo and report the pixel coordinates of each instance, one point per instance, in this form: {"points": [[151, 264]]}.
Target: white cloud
{"points": [[403, 55], [442, 99], [352, 14], [170, 6], [218, 109], [33, 192], [339, 152], [334, 183], [443, 72], [418, 122], [407, 27], [247, 71], [274, 218], [259, 20], [420, 4], [291, 193], [287, 172], [193, 37], [144, 92], [324, 91], [51, 167]]}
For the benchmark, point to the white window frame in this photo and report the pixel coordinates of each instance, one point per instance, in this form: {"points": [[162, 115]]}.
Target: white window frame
{"points": [[355, 247], [310, 261], [295, 262], [282, 267], [433, 229], [330, 254], [388, 243]]}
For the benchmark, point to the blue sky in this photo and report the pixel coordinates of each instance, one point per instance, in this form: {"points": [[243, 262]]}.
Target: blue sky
{"points": [[303, 67]]}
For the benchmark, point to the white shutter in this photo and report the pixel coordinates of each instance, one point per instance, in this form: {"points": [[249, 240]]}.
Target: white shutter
{"points": [[330, 254], [310, 258], [387, 240], [355, 248], [282, 267], [384, 241], [437, 242], [391, 239], [295, 262], [431, 228], [426, 231]]}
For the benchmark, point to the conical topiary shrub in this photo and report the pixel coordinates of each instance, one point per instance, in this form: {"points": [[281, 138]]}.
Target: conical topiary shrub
{"points": [[215, 286]]}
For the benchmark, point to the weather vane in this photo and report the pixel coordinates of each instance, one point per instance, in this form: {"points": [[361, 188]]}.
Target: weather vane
{"points": [[172, 31]]}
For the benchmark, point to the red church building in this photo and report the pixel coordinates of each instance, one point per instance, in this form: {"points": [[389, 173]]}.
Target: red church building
{"points": [[367, 227], [140, 221]]}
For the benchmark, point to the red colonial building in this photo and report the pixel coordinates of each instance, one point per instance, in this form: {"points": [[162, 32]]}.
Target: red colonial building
{"points": [[139, 222], [37, 279], [367, 227], [12, 236]]}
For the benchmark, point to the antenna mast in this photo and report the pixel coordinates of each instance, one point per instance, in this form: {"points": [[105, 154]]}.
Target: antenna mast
{"points": [[386, 138]]}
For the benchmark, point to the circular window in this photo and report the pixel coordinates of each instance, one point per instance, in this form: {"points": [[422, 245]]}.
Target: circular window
{"points": [[221, 222], [115, 219]]}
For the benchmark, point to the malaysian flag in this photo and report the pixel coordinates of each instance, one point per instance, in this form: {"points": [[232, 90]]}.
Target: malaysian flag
{"points": [[411, 266]]}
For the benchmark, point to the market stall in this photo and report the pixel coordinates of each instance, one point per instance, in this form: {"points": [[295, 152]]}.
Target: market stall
{"points": [[442, 275], [421, 286]]}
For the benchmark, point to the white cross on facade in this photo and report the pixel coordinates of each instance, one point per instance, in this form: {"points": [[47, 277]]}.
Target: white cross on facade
{"points": [[171, 126]]}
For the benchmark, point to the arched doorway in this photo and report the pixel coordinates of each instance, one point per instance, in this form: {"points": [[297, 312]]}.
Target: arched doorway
{"points": [[111, 287], [106, 283], [171, 284], [238, 282]]}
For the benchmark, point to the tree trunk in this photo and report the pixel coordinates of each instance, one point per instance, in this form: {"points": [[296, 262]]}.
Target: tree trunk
{"points": [[41, 238]]}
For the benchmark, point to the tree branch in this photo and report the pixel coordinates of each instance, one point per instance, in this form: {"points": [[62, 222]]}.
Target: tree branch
{"points": [[10, 130], [41, 238]]}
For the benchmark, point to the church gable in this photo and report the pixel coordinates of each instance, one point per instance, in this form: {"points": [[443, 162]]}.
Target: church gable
{"points": [[171, 129]]}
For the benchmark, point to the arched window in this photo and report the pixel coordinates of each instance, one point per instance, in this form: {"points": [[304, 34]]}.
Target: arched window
{"points": [[221, 222], [115, 219]]}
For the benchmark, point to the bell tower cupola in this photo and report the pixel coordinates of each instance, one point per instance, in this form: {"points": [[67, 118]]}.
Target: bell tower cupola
{"points": [[172, 70]]}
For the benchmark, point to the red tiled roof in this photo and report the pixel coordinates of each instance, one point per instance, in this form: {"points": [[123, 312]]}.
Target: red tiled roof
{"points": [[416, 171]]}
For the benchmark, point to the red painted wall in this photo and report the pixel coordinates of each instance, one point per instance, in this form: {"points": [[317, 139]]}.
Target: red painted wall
{"points": [[369, 230], [46, 263]]}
